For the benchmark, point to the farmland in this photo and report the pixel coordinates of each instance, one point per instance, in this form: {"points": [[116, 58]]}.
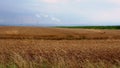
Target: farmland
{"points": [[40, 47]]}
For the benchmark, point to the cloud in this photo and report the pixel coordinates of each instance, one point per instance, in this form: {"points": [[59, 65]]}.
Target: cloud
{"points": [[113, 1], [41, 15], [51, 1], [37, 15], [74, 11], [46, 16], [112, 15], [59, 1], [55, 19]]}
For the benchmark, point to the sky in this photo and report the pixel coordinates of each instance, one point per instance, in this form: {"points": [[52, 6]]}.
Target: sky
{"points": [[59, 12]]}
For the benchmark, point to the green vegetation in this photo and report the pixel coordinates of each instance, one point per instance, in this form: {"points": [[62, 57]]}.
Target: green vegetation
{"points": [[91, 27]]}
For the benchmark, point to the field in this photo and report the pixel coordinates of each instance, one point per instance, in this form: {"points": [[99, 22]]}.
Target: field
{"points": [[40, 47]]}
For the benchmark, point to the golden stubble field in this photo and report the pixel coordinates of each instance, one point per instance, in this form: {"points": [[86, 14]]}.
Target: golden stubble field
{"points": [[35, 47]]}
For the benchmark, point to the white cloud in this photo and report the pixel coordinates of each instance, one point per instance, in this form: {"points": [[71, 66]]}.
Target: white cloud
{"points": [[82, 1], [41, 15], [60, 1], [37, 15], [51, 1], [55, 19], [46, 16], [85, 10], [106, 16], [113, 1]]}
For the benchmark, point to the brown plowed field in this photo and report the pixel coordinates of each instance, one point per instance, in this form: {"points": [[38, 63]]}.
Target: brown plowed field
{"points": [[35, 47]]}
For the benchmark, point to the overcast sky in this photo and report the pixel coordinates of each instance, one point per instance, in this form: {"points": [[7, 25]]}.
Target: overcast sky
{"points": [[59, 12]]}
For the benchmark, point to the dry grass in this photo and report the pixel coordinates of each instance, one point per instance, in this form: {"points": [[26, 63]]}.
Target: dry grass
{"points": [[56, 33], [68, 53], [63, 53]]}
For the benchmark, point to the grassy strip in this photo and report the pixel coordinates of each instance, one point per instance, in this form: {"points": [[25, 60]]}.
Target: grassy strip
{"points": [[91, 27]]}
